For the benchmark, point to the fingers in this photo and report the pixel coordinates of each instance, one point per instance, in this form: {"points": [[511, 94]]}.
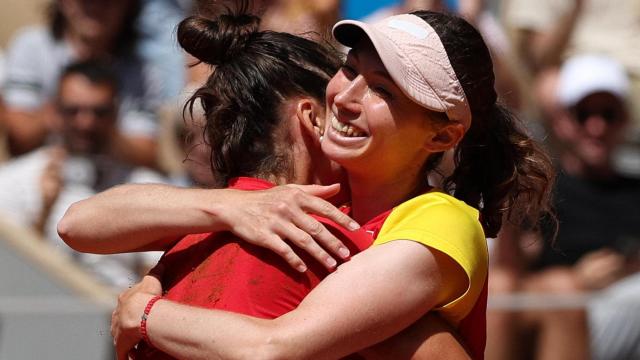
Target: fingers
{"points": [[315, 230], [273, 217], [121, 351], [269, 234], [323, 191], [280, 247], [307, 242], [309, 200], [307, 232], [125, 319], [325, 209], [274, 240]]}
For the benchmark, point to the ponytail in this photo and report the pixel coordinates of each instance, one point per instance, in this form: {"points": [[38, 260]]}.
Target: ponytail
{"points": [[502, 171]]}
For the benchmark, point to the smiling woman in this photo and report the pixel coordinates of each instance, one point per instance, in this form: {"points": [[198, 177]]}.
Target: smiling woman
{"points": [[370, 114]]}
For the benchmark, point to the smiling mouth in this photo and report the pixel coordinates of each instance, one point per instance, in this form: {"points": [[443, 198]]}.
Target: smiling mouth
{"points": [[345, 130]]}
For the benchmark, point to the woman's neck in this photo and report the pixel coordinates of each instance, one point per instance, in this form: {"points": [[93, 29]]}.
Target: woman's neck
{"points": [[371, 198]]}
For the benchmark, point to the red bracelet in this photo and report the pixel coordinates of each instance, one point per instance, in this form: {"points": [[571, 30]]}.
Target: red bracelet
{"points": [[145, 315]]}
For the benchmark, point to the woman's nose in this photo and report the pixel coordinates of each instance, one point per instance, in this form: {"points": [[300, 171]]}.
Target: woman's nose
{"points": [[351, 95]]}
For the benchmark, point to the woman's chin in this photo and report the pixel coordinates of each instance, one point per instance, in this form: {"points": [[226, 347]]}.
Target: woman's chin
{"points": [[340, 154]]}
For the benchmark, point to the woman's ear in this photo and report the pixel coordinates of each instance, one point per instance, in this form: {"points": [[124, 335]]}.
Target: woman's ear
{"points": [[310, 114], [446, 137]]}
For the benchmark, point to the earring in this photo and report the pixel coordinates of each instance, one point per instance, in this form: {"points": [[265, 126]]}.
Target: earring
{"points": [[321, 137]]}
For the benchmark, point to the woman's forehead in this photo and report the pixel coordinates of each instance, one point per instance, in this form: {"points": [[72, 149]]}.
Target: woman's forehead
{"points": [[365, 54]]}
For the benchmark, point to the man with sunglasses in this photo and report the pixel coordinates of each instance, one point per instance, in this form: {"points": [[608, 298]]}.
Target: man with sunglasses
{"points": [[598, 207], [82, 159], [597, 247]]}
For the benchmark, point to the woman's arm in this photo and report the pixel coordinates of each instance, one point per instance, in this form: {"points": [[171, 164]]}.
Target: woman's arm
{"points": [[429, 338], [368, 299], [137, 217]]}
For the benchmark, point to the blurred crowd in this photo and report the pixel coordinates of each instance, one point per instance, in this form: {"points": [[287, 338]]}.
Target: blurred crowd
{"points": [[92, 96]]}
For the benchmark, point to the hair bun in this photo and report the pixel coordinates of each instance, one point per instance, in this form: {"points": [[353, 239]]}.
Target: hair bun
{"points": [[215, 42]]}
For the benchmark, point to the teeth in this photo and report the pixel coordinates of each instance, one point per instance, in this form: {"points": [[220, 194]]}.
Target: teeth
{"points": [[345, 129]]}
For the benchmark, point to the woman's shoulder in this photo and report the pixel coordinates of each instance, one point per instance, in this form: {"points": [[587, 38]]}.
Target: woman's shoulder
{"points": [[441, 222], [436, 219], [439, 204]]}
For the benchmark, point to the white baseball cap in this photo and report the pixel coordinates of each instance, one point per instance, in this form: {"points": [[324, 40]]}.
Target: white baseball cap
{"points": [[416, 60], [583, 75]]}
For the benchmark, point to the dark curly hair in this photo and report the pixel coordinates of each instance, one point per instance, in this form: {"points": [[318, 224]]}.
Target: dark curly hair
{"points": [[254, 72]]}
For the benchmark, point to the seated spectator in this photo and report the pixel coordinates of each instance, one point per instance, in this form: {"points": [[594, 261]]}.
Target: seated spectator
{"points": [[80, 30], [37, 187], [598, 240]]}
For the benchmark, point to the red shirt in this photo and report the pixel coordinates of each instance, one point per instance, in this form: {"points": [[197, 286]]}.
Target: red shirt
{"points": [[220, 271]]}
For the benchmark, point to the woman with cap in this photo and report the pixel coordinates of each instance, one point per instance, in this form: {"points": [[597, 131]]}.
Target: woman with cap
{"points": [[413, 86]]}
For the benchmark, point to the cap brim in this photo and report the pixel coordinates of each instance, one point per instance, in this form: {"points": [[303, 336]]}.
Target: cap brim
{"points": [[349, 32]]}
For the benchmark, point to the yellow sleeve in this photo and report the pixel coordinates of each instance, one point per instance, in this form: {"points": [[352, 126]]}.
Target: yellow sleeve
{"points": [[450, 226]]}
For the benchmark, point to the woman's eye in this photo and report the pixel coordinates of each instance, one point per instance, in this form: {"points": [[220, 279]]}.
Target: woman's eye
{"points": [[382, 91], [349, 71]]}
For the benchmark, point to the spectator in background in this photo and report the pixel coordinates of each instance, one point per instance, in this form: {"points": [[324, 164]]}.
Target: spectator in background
{"points": [[301, 16], [598, 239], [37, 187], [156, 25], [546, 32], [80, 30]]}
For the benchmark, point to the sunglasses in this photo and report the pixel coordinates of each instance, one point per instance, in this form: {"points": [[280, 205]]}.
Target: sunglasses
{"points": [[99, 111], [609, 114]]}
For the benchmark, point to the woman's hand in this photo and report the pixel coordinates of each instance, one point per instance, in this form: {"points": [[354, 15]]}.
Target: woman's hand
{"points": [[141, 217], [275, 217], [125, 319]]}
